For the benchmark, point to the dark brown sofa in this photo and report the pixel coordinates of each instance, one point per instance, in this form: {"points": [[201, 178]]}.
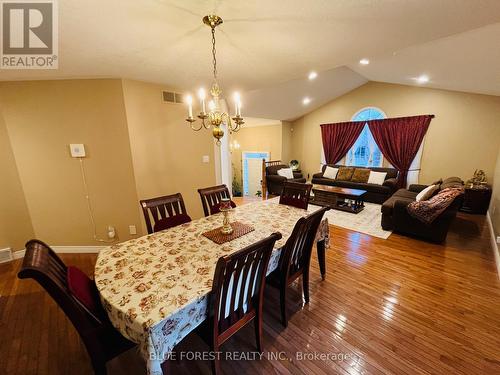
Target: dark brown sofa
{"points": [[274, 182], [396, 217], [374, 193]]}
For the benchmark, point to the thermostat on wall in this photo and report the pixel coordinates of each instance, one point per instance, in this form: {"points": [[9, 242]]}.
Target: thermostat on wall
{"points": [[77, 150]]}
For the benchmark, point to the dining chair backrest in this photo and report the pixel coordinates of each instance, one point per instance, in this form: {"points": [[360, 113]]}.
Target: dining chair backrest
{"points": [[166, 212], [211, 198], [295, 194], [43, 265], [238, 286], [296, 253]]}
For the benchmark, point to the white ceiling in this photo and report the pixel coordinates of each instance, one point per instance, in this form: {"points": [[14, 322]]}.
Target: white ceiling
{"points": [[264, 44]]}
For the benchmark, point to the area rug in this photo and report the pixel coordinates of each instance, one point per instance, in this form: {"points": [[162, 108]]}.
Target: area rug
{"points": [[367, 221]]}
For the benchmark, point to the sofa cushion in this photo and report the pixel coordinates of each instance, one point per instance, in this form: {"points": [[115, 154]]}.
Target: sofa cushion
{"points": [[388, 205], [286, 172], [451, 182], [426, 193], [377, 177], [273, 169], [403, 193], [361, 175], [330, 172], [345, 173]]}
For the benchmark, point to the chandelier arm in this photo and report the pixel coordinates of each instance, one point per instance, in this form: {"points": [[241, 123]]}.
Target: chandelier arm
{"points": [[196, 129]]}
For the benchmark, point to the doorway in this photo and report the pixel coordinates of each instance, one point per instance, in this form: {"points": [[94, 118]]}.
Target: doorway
{"points": [[252, 171]]}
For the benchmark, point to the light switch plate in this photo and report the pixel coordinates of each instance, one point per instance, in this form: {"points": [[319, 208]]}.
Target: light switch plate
{"points": [[132, 229], [206, 159], [77, 150]]}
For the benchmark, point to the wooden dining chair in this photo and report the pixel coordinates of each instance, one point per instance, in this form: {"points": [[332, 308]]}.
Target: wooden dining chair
{"points": [[167, 212], [211, 198], [295, 194], [77, 295], [295, 258], [237, 294]]}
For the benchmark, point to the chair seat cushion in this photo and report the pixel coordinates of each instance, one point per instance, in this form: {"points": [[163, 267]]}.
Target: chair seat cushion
{"points": [[84, 290], [171, 221], [215, 209]]}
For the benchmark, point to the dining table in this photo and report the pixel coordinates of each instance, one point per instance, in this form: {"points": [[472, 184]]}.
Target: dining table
{"points": [[155, 288]]}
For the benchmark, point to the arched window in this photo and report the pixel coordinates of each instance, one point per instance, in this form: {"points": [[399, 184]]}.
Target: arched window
{"points": [[365, 152]]}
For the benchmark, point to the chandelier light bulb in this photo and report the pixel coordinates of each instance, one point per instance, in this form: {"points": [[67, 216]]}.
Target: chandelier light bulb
{"points": [[189, 101], [237, 103], [201, 95]]}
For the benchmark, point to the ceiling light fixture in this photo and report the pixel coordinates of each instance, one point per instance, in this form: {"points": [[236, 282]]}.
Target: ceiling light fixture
{"points": [[422, 79], [364, 61], [312, 75], [306, 100], [216, 117]]}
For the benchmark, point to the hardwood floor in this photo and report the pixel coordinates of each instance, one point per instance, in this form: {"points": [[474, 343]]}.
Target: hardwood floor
{"points": [[397, 306]]}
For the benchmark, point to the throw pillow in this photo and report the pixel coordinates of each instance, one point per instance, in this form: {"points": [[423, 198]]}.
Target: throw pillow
{"points": [[330, 172], [345, 173], [377, 178], [286, 172], [361, 175], [426, 193]]}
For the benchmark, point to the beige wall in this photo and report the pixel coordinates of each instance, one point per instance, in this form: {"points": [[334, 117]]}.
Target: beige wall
{"points": [[42, 118], [495, 199], [166, 153], [286, 142], [257, 138], [15, 221], [464, 135]]}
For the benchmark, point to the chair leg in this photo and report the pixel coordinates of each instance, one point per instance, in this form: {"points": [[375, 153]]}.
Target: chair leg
{"points": [[216, 361], [100, 369], [284, 320], [305, 285], [257, 321]]}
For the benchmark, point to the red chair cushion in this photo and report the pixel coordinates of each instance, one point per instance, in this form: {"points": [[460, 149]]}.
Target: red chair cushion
{"points": [[294, 202], [84, 290], [171, 221], [216, 208]]}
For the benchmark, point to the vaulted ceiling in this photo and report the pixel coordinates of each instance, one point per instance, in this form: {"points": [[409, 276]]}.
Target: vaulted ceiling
{"points": [[266, 48]]}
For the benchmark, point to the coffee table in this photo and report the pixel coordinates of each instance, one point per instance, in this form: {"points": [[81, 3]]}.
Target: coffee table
{"points": [[335, 197]]}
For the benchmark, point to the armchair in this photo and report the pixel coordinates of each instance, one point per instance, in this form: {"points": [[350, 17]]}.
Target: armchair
{"points": [[271, 181]]}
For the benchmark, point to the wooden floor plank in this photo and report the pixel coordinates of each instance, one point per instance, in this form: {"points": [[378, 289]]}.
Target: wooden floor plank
{"points": [[395, 306]]}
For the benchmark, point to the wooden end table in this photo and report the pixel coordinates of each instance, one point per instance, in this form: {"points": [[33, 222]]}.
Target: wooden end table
{"points": [[335, 198]]}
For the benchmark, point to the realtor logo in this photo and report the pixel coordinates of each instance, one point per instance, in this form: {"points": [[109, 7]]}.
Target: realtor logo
{"points": [[29, 34]]}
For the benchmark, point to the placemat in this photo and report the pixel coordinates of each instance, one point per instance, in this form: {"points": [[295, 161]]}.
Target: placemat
{"points": [[239, 229]]}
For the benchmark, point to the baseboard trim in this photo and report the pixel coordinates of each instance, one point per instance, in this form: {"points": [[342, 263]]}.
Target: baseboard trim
{"points": [[64, 250], [494, 244]]}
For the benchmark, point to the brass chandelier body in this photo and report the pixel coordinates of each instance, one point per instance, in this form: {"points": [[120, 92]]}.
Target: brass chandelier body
{"points": [[215, 117]]}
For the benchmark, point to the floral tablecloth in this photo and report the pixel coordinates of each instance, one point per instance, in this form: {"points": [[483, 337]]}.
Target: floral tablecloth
{"points": [[155, 288]]}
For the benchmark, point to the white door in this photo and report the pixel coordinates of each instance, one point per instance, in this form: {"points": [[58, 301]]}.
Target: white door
{"points": [[252, 171]]}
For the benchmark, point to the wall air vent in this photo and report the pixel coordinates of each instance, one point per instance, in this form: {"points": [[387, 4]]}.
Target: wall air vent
{"points": [[172, 97], [5, 255]]}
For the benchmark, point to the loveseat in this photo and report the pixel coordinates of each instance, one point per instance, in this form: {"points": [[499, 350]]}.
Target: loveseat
{"points": [[274, 182], [395, 215], [374, 193]]}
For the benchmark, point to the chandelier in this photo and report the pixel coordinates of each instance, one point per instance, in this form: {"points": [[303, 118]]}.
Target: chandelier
{"points": [[215, 117]]}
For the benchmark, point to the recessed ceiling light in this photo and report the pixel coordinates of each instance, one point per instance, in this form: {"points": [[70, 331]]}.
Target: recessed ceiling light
{"points": [[364, 61], [312, 75], [423, 79], [306, 100]]}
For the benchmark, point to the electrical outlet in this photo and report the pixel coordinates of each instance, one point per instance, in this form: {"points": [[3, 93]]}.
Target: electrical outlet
{"points": [[132, 229], [205, 159]]}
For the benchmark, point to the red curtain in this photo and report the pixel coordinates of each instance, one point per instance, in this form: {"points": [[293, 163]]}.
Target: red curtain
{"points": [[399, 140], [339, 138]]}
